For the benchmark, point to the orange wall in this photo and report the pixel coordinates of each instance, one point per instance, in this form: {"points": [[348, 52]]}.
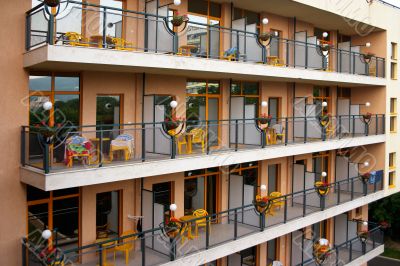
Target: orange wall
{"points": [[14, 114]]}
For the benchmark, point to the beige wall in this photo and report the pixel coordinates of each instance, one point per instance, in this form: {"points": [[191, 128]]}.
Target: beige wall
{"points": [[14, 114], [108, 83], [88, 209]]}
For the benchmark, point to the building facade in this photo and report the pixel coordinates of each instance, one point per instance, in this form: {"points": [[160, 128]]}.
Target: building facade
{"points": [[197, 132]]}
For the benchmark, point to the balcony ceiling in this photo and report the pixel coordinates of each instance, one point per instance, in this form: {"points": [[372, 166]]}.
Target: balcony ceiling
{"points": [[289, 8]]}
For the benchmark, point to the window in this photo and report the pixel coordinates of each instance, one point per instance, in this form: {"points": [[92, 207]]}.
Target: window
{"points": [[392, 160], [394, 51], [251, 17], [392, 177], [393, 106], [56, 209], [393, 70], [393, 124]]}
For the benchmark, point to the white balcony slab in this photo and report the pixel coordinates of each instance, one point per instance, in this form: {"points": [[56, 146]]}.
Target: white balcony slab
{"points": [[67, 178], [68, 58], [204, 256], [368, 256]]}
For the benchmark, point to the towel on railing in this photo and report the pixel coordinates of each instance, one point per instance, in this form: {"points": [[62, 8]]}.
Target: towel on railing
{"points": [[124, 140], [77, 145], [231, 51]]}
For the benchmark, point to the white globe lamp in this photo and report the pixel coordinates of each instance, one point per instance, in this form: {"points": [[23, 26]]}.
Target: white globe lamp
{"points": [[46, 234], [47, 106], [173, 207], [173, 104]]}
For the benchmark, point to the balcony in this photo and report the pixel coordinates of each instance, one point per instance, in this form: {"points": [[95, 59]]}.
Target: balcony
{"points": [[158, 47], [69, 156], [233, 230]]}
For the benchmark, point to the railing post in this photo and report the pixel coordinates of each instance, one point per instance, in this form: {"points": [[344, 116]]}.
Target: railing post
{"points": [[263, 138], [352, 189], [23, 146], [354, 125], [285, 210], [173, 147], [143, 248], [351, 251], [337, 256], [304, 203], [305, 129], [28, 32], [208, 137], [365, 188], [172, 254], [354, 63], [46, 159], [383, 124], [338, 194], [322, 202], [364, 248], [376, 124], [143, 142], [101, 147], [376, 67], [50, 36], [235, 228], [340, 127], [236, 134], [287, 53], [207, 232], [262, 221], [100, 255], [104, 27], [286, 130], [24, 251]]}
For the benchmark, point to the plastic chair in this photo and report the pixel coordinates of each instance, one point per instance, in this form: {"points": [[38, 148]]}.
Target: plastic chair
{"points": [[127, 244], [276, 203], [123, 142], [77, 147], [181, 140], [121, 44], [201, 222], [76, 39], [199, 137], [279, 132]]}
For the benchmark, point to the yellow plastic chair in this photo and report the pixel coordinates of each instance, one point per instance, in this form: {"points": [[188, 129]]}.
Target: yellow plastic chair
{"points": [[201, 222], [276, 203], [121, 44], [181, 140], [199, 137], [76, 39], [127, 244]]}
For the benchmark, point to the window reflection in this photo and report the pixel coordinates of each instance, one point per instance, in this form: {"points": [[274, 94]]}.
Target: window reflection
{"points": [[40, 83], [66, 84]]}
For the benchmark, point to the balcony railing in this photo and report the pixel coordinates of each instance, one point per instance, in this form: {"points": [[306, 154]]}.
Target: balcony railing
{"points": [[153, 32], [59, 148], [152, 247], [350, 250]]}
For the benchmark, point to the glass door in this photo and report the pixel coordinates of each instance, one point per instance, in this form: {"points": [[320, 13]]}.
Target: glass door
{"points": [[202, 104], [108, 115], [273, 109], [107, 214], [273, 178], [201, 191]]}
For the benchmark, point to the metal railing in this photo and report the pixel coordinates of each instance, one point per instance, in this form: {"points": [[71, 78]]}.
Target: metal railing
{"points": [[155, 33], [351, 249], [152, 247], [150, 141]]}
